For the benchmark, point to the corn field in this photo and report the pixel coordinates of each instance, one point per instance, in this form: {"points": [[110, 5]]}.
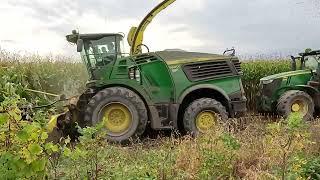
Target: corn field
{"points": [[58, 75], [287, 149], [253, 71], [61, 75]]}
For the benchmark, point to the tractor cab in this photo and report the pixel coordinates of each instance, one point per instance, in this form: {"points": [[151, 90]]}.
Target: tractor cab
{"points": [[308, 60], [98, 51]]}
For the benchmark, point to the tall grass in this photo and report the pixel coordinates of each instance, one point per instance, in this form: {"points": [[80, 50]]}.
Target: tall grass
{"points": [[253, 71], [257, 152], [58, 75]]}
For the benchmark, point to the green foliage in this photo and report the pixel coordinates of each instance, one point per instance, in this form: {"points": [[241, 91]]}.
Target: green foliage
{"points": [[24, 152], [86, 155], [230, 141], [311, 169], [304, 167], [295, 122], [218, 160], [290, 138]]}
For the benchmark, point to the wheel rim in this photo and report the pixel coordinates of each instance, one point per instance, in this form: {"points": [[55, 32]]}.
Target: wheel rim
{"points": [[117, 118], [206, 120], [299, 106]]}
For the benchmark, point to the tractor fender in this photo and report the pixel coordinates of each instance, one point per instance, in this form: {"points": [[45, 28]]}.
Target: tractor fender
{"points": [[143, 93], [308, 89], [191, 89], [203, 86], [313, 92]]}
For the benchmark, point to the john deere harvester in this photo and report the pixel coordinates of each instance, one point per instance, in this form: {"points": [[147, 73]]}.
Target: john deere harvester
{"points": [[181, 90], [294, 91]]}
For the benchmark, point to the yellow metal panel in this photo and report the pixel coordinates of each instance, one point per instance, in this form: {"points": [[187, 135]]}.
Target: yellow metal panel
{"points": [[131, 35], [52, 123], [135, 36]]}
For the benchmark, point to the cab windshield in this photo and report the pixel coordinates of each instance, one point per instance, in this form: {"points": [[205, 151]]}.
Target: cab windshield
{"points": [[311, 62], [102, 51]]}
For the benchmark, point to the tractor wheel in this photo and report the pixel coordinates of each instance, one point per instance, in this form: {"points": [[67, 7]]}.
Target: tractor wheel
{"points": [[202, 115], [122, 112], [296, 101]]}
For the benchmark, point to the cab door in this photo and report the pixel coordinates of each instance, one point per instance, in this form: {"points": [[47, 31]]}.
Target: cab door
{"points": [[156, 78]]}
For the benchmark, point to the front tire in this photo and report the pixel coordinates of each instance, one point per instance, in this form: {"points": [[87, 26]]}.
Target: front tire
{"points": [[296, 101], [122, 112], [202, 115]]}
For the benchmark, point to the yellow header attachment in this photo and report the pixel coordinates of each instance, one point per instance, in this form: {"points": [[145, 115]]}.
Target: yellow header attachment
{"points": [[135, 36]]}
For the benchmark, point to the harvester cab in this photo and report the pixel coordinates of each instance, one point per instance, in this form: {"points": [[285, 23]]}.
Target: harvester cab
{"points": [[293, 91], [98, 51]]}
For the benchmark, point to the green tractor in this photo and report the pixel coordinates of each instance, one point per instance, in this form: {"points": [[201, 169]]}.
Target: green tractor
{"points": [[293, 91], [181, 90]]}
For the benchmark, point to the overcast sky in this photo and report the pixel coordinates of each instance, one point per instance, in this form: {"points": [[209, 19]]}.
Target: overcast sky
{"points": [[251, 26]]}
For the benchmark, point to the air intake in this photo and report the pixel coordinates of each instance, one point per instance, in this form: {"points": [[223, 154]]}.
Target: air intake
{"points": [[144, 58], [237, 65], [207, 70]]}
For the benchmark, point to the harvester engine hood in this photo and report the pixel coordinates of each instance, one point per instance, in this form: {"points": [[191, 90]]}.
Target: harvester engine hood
{"points": [[182, 57]]}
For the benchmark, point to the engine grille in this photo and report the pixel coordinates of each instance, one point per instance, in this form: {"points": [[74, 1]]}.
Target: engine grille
{"points": [[237, 65], [144, 58], [207, 70]]}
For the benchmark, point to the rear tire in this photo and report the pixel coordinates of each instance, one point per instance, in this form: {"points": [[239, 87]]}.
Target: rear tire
{"points": [[296, 101], [200, 113], [120, 109]]}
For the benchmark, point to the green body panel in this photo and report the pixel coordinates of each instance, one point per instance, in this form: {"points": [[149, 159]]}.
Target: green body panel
{"points": [[156, 85], [163, 81], [157, 79], [128, 83], [225, 85]]}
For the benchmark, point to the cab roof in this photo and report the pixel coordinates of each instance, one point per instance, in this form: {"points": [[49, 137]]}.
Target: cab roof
{"points": [[74, 37], [316, 52]]}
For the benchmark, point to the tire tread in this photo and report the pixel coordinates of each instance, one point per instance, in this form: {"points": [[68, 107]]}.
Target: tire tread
{"points": [[198, 105], [122, 92]]}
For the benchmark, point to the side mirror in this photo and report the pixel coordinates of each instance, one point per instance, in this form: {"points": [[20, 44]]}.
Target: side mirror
{"points": [[230, 52], [293, 63], [79, 45]]}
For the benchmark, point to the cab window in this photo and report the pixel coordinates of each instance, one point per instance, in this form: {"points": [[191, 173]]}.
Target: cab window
{"points": [[311, 62], [103, 51]]}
